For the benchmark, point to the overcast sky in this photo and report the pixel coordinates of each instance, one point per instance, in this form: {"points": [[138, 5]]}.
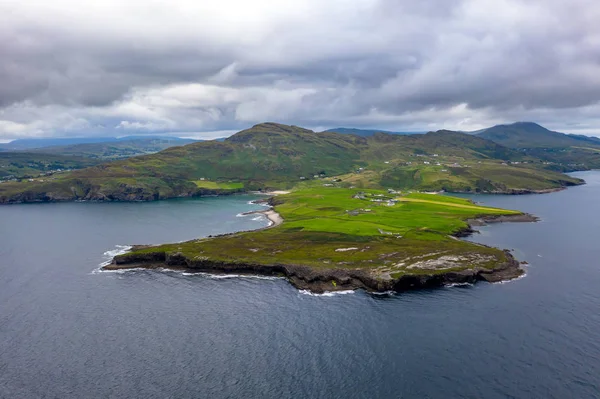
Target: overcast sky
{"points": [[79, 68]]}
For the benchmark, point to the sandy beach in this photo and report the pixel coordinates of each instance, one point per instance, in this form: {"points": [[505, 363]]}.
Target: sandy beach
{"points": [[274, 217]]}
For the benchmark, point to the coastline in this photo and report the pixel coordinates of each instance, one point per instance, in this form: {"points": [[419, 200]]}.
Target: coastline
{"points": [[321, 281], [330, 280], [485, 220], [274, 218], [523, 191]]}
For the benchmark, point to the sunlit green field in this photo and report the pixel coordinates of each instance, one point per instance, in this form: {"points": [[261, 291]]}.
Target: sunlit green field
{"points": [[214, 185]]}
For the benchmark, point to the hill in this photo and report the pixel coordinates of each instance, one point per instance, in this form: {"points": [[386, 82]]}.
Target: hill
{"points": [[531, 135], [564, 152], [365, 132], [271, 155]]}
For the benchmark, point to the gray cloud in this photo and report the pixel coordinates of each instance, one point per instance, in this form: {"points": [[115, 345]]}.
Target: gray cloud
{"points": [[72, 69]]}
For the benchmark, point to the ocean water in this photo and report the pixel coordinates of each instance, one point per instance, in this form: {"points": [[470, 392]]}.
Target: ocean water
{"points": [[68, 331]]}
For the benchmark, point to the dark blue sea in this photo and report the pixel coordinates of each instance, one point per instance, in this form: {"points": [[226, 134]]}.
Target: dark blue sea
{"points": [[70, 331]]}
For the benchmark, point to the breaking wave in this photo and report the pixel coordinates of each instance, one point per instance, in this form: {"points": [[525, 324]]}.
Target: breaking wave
{"points": [[223, 276], [450, 285], [109, 255], [327, 293], [512, 279]]}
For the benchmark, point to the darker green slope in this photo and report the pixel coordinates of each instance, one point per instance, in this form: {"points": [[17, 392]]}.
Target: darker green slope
{"points": [[561, 152], [532, 135], [442, 142]]}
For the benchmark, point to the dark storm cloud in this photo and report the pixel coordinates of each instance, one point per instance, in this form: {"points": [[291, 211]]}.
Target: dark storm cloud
{"points": [[67, 68], [53, 67]]}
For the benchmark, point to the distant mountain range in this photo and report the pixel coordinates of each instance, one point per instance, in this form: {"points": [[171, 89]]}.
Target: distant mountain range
{"points": [[37, 143], [102, 148], [28, 158]]}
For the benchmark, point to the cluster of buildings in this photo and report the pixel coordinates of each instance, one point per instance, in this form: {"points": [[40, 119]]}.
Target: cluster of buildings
{"points": [[378, 198]]}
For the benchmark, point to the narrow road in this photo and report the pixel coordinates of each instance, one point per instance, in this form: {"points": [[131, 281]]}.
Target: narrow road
{"points": [[473, 207]]}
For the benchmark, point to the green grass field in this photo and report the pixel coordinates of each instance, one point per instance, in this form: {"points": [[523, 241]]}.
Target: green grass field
{"points": [[332, 227], [214, 185]]}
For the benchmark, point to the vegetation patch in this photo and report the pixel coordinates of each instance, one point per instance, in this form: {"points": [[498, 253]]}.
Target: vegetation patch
{"points": [[218, 185]]}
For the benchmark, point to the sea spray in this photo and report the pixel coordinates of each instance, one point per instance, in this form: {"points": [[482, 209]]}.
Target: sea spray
{"points": [[327, 293], [109, 255], [512, 279]]}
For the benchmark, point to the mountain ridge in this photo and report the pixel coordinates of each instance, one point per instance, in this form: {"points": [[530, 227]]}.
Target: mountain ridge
{"points": [[532, 135]]}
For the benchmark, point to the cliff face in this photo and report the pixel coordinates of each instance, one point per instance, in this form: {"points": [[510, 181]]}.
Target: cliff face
{"points": [[321, 280]]}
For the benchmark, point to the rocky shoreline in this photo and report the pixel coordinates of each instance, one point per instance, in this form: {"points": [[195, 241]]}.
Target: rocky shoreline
{"points": [[327, 280], [525, 191], [485, 220], [323, 280]]}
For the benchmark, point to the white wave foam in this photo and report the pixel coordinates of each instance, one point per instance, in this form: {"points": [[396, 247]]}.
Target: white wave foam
{"points": [[384, 293], [512, 279], [119, 250], [450, 285], [109, 255], [222, 276], [204, 274], [100, 270], [257, 218], [327, 293], [259, 202]]}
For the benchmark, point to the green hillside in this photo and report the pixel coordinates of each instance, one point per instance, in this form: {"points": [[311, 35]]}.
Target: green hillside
{"points": [[562, 152], [271, 155], [443, 143], [532, 135]]}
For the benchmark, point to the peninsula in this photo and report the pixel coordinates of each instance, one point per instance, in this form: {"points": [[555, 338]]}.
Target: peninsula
{"points": [[334, 238], [357, 215]]}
